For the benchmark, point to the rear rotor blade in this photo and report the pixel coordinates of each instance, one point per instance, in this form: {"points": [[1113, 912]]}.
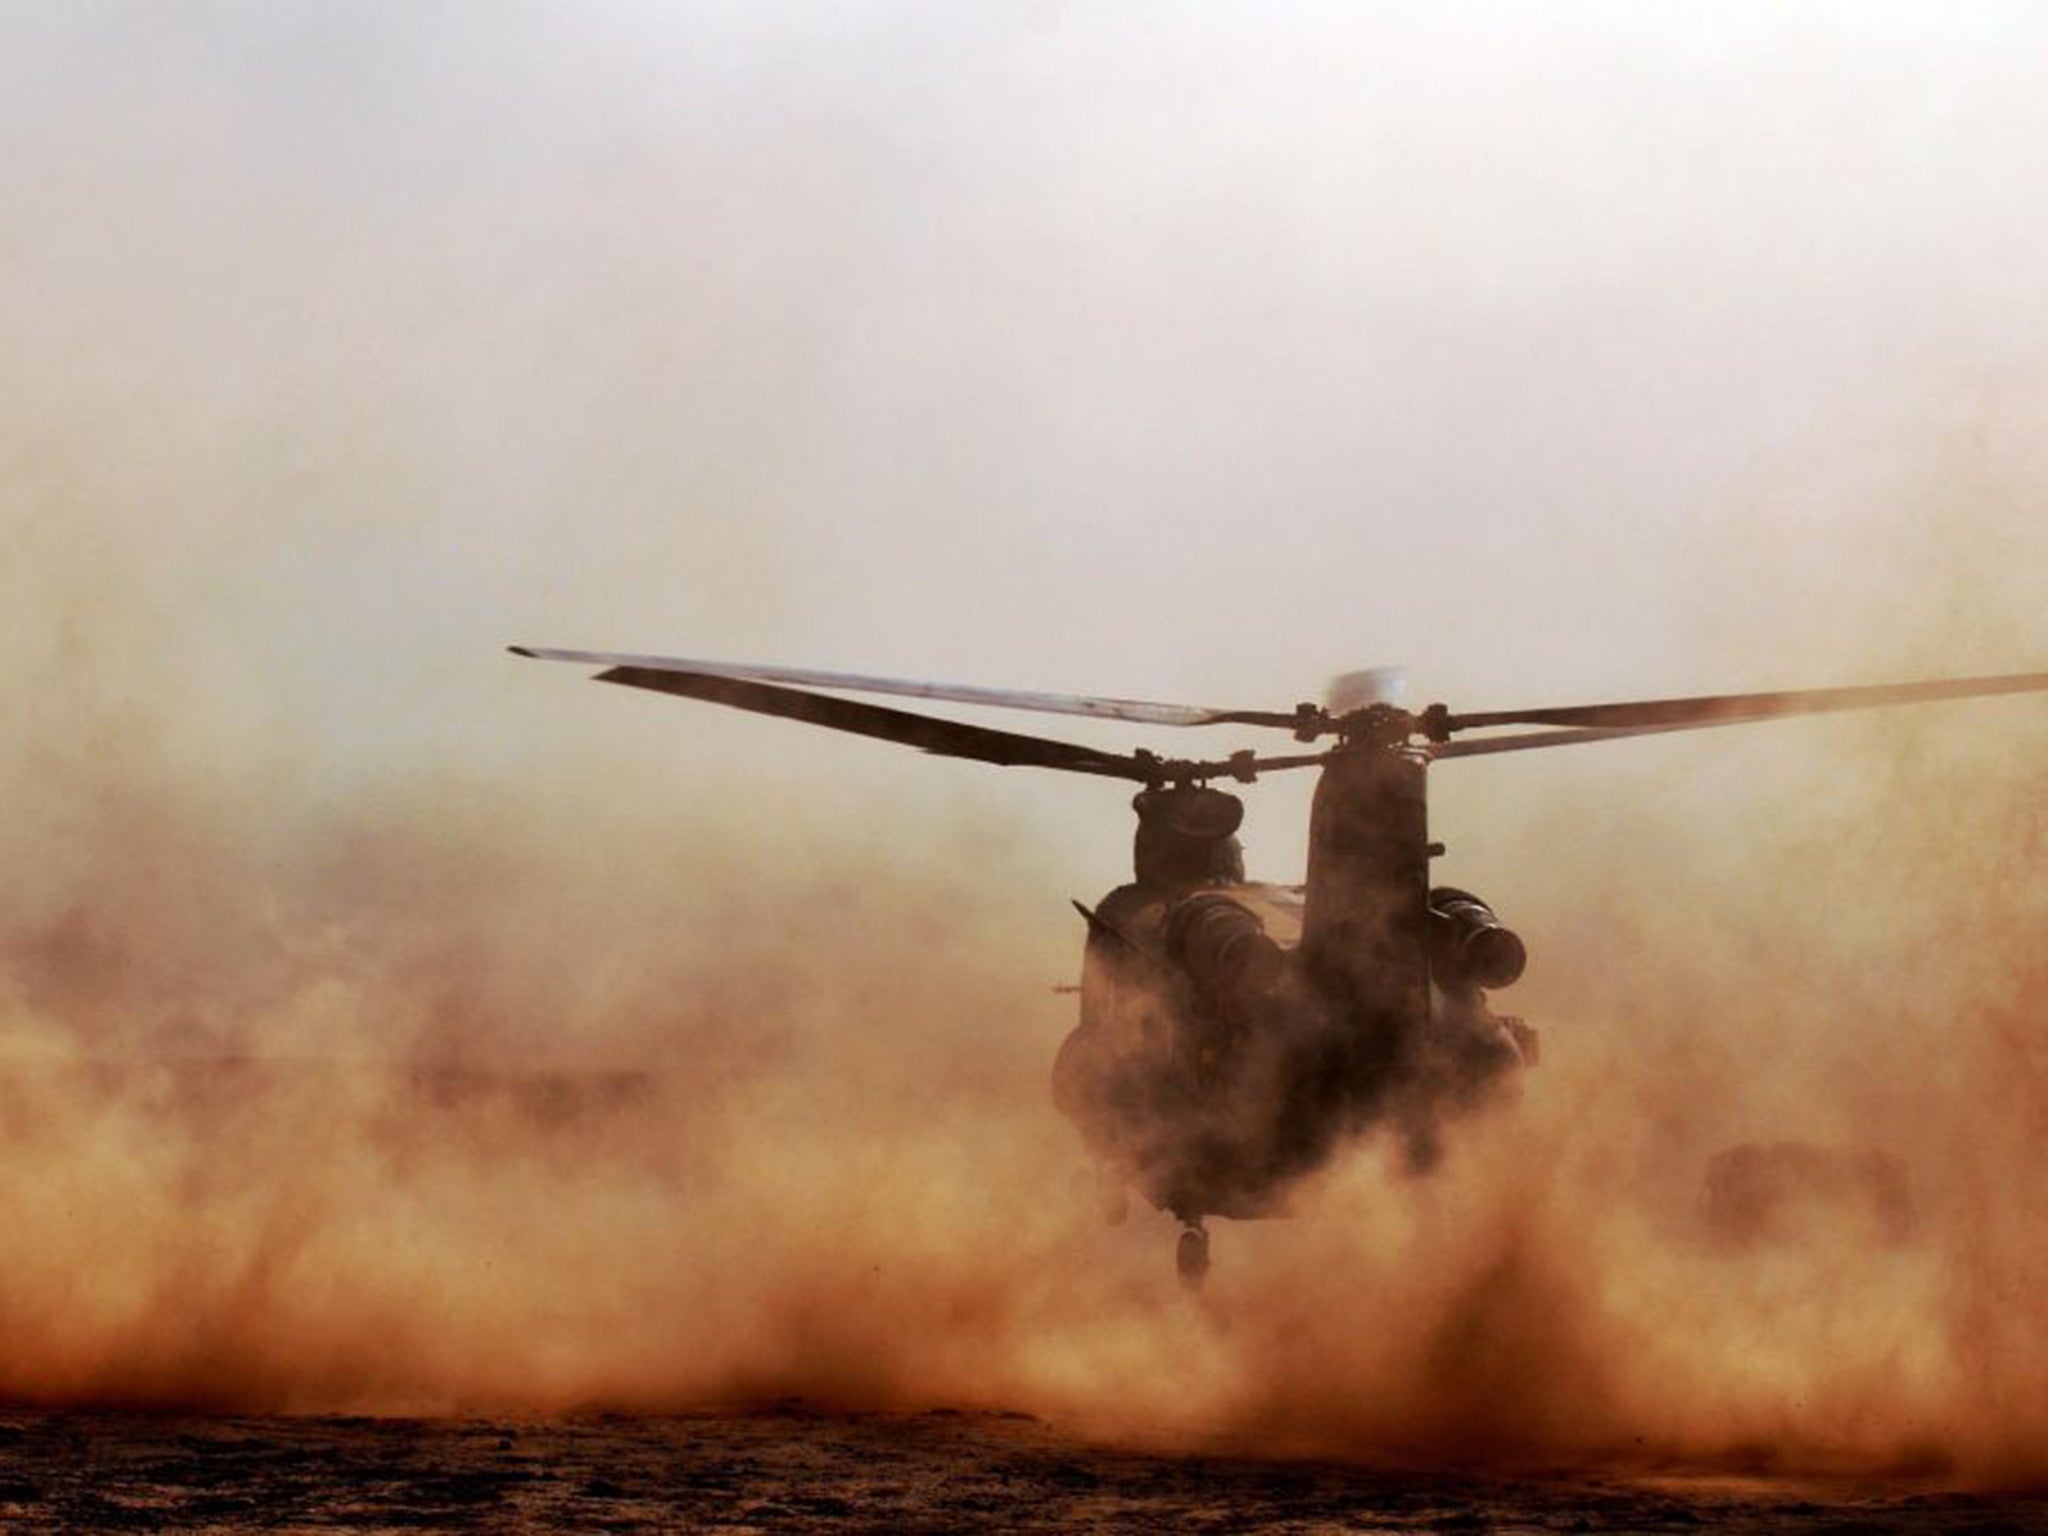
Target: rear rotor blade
{"points": [[1731, 708], [947, 738], [1137, 710], [1350, 691], [944, 738]]}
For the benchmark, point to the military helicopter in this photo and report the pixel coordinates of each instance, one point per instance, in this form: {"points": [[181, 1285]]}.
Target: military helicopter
{"points": [[1233, 1033]]}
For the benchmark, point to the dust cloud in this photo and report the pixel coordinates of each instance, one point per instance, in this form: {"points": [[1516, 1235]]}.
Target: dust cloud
{"points": [[427, 1111], [387, 1024]]}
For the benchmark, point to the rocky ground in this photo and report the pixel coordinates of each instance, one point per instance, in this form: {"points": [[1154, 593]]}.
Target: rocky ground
{"points": [[801, 1471]]}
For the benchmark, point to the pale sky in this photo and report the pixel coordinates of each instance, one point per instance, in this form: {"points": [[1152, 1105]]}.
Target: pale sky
{"points": [[1178, 351]]}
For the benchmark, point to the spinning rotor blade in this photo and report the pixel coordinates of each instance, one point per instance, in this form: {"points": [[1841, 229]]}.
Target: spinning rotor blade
{"points": [[1356, 690], [1136, 710], [1605, 720], [945, 738], [1486, 746]]}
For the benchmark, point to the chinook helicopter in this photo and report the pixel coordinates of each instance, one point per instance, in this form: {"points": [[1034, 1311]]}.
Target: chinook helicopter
{"points": [[1233, 1033]]}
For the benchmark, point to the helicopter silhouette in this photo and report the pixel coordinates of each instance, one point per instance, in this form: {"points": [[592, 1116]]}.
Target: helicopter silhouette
{"points": [[1234, 1033]]}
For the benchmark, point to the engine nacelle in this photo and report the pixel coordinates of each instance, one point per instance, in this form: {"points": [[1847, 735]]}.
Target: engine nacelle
{"points": [[1469, 944], [1224, 948]]}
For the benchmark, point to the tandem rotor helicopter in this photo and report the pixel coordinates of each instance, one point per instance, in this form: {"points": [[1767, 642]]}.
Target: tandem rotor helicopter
{"points": [[1232, 1032]]}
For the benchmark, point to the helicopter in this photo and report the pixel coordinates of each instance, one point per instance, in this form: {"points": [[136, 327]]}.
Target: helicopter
{"points": [[1233, 1034]]}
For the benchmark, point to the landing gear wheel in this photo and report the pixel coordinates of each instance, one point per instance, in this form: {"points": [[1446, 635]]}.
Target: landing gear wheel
{"points": [[1192, 1256]]}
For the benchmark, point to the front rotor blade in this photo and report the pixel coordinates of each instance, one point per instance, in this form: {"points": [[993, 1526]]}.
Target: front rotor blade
{"points": [[1136, 710], [1486, 746], [947, 738], [1732, 708]]}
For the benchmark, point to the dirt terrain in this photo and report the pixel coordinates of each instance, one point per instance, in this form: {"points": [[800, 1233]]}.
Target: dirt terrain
{"points": [[795, 1470]]}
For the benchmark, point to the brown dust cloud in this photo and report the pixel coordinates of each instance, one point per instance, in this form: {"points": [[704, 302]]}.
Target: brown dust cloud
{"points": [[390, 1025]]}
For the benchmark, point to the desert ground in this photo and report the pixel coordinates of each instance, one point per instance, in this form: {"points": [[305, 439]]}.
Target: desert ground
{"points": [[794, 1469]]}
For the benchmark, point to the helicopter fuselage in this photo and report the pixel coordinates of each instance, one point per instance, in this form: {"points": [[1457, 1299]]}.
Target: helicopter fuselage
{"points": [[1232, 1032]]}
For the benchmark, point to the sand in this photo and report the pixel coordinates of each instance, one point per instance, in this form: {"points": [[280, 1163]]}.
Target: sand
{"points": [[793, 1469]]}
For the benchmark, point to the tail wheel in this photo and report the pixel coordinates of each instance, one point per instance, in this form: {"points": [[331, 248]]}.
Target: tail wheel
{"points": [[1192, 1256]]}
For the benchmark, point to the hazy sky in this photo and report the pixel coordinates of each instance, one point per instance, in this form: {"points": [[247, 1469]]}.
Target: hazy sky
{"points": [[1180, 351]]}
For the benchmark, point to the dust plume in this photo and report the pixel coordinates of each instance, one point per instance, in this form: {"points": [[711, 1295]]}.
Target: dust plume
{"points": [[389, 1024], [444, 1097]]}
